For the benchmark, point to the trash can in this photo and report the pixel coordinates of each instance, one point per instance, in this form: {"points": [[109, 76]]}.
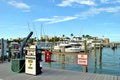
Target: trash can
{"points": [[18, 65]]}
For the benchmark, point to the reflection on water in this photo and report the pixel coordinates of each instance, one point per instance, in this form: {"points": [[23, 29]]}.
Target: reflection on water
{"points": [[108, 63]]}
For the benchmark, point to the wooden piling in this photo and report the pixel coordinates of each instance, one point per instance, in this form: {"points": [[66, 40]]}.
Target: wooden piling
{"points": [[95, 59], [85, 69], [49, 65], [100, 57], [63, 61], [95, 53]]}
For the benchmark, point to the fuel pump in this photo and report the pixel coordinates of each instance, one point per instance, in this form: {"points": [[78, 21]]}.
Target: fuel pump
{"points": [[32, 60]]}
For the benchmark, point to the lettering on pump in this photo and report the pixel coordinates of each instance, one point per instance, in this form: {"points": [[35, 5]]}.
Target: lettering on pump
{"points": [[30, 64]]}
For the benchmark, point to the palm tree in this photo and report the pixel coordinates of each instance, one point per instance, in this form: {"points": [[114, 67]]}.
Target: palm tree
{"points": [[83, 36], [88, 36], [71, 35], [63, 36]]}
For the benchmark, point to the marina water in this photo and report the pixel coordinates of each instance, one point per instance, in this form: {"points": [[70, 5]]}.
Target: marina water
{"points": [[110, 62]]}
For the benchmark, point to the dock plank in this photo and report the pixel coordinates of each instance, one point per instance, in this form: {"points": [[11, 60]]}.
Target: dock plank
{"points": [[118, 78], [52, 74]]}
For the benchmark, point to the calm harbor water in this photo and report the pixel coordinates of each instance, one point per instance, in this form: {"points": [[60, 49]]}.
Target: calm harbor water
{"points": [[110, 62]]}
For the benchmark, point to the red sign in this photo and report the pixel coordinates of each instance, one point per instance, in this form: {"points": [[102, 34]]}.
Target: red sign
{"points": [[47, 56], [82, 59]]}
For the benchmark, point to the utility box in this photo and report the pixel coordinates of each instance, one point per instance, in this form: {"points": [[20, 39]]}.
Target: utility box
{"points": [[32, 60], [18, 65]]}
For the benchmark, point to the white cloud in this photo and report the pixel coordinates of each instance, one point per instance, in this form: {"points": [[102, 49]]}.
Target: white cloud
{"points": [[104, 1], [109, 1], [118, 1], [86, 14], [108, 9], [65, 3], [19, 5], [56, 19], [95, 11]]}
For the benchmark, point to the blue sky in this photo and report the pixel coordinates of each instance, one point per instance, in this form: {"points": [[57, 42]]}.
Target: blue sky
{"points": [[93, 17]]}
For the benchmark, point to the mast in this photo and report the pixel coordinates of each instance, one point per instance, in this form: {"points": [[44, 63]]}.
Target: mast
{"points": [[41, 32]]}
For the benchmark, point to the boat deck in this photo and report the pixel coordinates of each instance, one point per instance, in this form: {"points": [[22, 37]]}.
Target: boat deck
{"points": [[52, 74]]}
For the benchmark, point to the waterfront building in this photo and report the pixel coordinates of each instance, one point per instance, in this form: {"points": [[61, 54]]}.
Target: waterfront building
{"points": [[106, 40], [44, 37], [77, 38]]}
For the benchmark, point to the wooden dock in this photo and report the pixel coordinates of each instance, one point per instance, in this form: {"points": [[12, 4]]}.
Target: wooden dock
{"points": [[51, 74]]}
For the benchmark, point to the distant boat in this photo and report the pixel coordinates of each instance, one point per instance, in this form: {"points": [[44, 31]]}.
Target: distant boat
{"points": [[75, 47], [97, 43], [83, 46], [72, 47]]}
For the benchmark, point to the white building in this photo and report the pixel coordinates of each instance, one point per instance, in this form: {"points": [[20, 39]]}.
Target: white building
{"points": [[77, 38]]}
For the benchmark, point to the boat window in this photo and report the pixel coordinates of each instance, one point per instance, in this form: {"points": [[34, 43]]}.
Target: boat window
{"points": [[76, 44], [96, 41], [67, 46]]}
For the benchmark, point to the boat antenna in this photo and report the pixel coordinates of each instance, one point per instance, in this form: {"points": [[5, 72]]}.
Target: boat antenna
{"points": [[28, 26], [35, 31], [41, 30]]}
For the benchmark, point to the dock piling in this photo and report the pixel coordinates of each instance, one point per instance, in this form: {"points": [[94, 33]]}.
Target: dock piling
{"points": [[63, 61], [100, 58], [95, 59], [85, 69]]}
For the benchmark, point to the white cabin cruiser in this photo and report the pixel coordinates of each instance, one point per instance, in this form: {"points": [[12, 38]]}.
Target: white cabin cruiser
{"points": [[68, 47], [97, 43]]}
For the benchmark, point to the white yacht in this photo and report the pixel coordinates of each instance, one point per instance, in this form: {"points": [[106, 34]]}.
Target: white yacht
{"points": [[60, 46], [75, 47], [97, 43], [68, 47]]}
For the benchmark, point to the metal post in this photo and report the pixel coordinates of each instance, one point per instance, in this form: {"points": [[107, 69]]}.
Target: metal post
{"points": [[2, 49]]}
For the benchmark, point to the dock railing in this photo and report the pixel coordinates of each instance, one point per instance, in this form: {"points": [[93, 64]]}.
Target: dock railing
{"points": [[68, 61]]}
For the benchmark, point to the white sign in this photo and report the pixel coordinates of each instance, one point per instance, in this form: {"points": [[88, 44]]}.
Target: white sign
{"points": [[30, 67], [31, 52], [82, 59]]}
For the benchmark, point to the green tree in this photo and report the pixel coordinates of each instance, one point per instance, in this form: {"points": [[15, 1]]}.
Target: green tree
{"points": [[88, 36], [63, 36], [83, 36], [71, 35]]}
